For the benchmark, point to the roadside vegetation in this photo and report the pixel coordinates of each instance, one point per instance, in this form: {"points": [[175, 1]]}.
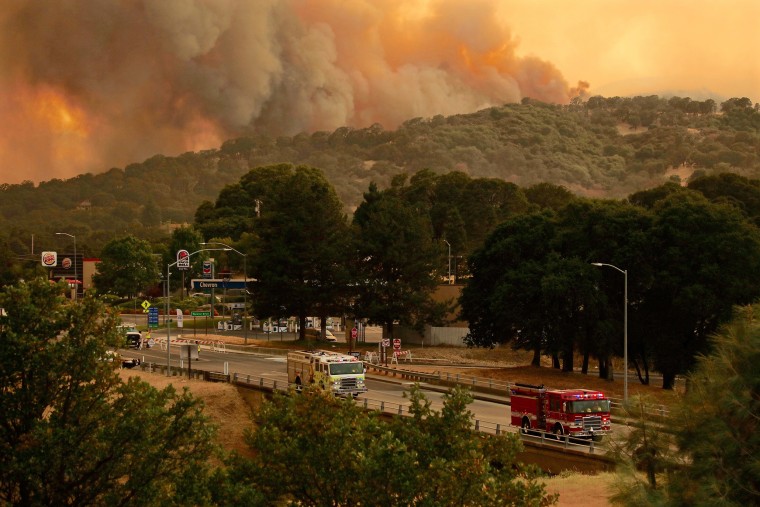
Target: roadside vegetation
{"points": [[74, 432], [706, 452]]}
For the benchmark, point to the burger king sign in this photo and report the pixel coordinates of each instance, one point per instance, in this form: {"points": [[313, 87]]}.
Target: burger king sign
{"points": [[49, 259]]}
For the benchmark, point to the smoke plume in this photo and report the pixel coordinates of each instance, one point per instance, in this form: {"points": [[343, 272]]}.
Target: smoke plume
{"points": [[89, 85]]}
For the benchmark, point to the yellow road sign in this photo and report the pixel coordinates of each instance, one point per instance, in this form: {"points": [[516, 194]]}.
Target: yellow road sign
{"points": [[145, 304]]}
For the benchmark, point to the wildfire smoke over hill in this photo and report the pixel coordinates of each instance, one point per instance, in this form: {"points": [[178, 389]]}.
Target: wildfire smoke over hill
{"points": [[87, 85]]}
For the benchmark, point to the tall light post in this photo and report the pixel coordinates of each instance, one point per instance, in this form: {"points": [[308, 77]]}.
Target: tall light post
{"points": [[449, 245], [625, 326], [245, 292], [168, 306], [76, 273]]}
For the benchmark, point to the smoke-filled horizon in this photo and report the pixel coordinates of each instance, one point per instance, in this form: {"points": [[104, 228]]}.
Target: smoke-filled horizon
{"points": [[87, 85], [90, 85]]}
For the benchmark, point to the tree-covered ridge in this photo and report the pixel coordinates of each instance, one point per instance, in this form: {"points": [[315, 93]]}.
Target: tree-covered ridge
{"points": [[604, 147]]}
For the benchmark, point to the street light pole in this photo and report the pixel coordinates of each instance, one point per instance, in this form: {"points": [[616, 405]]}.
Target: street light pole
{"points": [[245, 292], [76, 273], [625, 326], [168, 307]]}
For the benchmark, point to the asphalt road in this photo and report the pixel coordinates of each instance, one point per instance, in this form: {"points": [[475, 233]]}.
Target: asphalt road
{"points": [[388, 391]]}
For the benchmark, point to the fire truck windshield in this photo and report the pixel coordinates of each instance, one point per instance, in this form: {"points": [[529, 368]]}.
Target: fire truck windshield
{"points": [[346, 368], [588, 406]]}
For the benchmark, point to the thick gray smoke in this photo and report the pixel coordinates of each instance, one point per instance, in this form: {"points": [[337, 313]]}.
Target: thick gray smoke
{"points": [[88, 85]]}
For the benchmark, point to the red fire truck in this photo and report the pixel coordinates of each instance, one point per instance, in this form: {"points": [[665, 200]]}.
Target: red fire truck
{"points": [[574, 412]]}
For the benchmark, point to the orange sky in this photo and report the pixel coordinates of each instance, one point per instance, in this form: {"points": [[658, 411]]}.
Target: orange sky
{"points": [[87, 85], [625, 47]]}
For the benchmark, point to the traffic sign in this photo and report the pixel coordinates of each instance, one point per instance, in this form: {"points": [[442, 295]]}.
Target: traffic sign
{"points": [[200, 314], [145, 305], [354, 333], [153, 316], [396, 343], [386, 342]]}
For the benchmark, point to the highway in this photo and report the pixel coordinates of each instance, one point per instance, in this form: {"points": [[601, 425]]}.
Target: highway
{"points": [[490, 414], [389, 391]]}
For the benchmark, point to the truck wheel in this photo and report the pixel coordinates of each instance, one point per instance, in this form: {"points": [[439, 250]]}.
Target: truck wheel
{"points": [[525, 425]]}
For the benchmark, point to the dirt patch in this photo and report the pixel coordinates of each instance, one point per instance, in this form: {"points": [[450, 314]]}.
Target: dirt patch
{"points": [[225, 404], [581, 490]]}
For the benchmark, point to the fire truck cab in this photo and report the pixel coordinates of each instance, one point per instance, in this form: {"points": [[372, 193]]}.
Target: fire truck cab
{"points": [[574, 412], [340, 374]]}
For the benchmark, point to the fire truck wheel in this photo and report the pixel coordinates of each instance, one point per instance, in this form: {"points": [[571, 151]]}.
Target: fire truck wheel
{"points": [[557, 430], [525, 425]]}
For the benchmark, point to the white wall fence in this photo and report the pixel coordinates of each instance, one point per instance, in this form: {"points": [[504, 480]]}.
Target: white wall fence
{"points": [[433, 335]]}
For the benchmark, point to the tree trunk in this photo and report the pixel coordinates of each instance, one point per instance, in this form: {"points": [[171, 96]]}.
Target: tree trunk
{"points": [[536, 357], [584, 367], [643, 376], [568, 363], [668, 380], [602, 368], [555, 361]]}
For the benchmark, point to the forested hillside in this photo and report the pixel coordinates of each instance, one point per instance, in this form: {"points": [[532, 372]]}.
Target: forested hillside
{"points": [[604, 147]]}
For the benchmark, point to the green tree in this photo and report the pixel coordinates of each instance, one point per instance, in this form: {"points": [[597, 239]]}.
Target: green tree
{"points": [[616, 233], [318, 450], [301, 261], [151, 214], [728, 187], [503, 301], [546, 195], [713, 454], [706, 259], [397, 263], [127, 267], [71, 432]]}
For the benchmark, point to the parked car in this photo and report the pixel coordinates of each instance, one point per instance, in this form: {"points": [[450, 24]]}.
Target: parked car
{"points": [[316, 334], [117, 361]]}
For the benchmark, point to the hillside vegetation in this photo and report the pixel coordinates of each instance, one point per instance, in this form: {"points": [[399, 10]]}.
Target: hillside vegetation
{"points": [[604, 147]]}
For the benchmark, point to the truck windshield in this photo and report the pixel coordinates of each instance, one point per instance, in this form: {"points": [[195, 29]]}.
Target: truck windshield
{"points": [[589, 406], [346, 368]]}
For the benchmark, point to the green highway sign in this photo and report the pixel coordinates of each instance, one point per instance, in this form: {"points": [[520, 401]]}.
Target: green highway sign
{"points": [[200, 314]]}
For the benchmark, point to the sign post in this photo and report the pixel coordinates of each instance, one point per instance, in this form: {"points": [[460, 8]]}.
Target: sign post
{"points": [[201, 314], [354, 335]]}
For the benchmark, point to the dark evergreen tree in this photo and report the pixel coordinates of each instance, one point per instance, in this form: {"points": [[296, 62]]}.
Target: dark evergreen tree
{"points": [[397, 263]]}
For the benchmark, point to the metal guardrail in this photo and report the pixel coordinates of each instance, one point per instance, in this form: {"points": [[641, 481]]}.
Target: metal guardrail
{"points": [[537, 437], [367, 403], [400, 409], [491, 386]]}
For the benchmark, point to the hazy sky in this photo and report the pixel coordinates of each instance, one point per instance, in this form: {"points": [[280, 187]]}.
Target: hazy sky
{"points": [[87, 85], [626, 47]]}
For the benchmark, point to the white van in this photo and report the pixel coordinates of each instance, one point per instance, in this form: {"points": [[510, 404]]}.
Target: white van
{"points": [[316, 334]]}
